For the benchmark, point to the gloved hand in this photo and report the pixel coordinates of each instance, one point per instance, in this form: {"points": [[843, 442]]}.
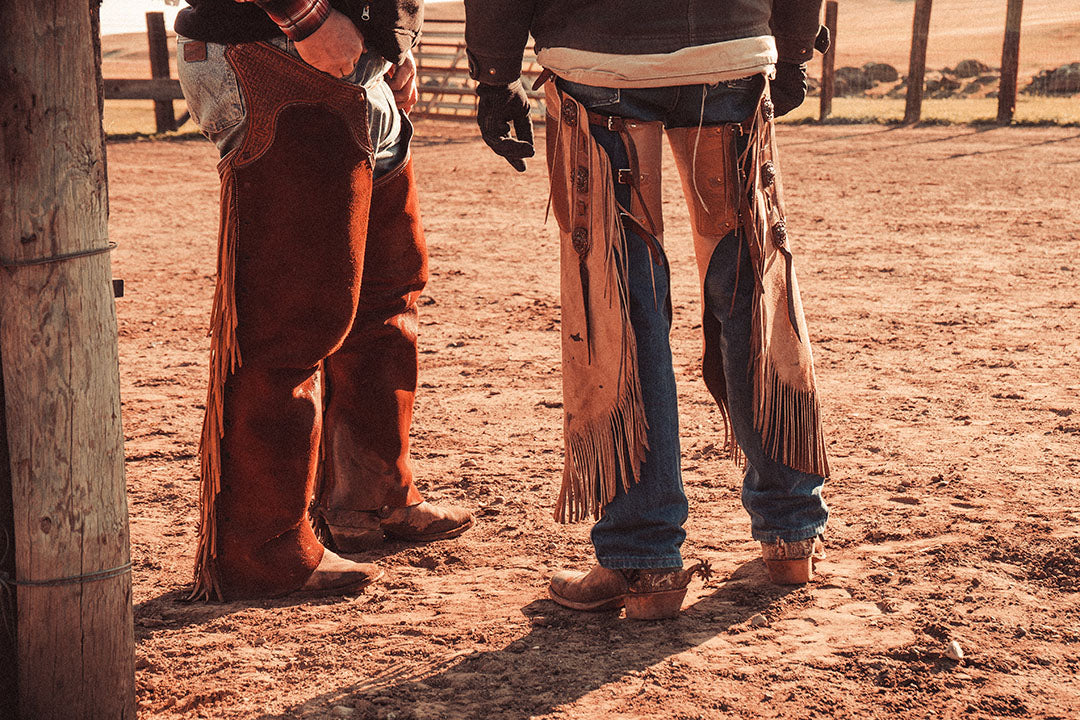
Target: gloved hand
{"points": [[788, 87], [823, 41], [499, 106]]}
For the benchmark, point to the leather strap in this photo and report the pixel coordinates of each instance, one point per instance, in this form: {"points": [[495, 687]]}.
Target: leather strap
{"points": [[613, 123]]}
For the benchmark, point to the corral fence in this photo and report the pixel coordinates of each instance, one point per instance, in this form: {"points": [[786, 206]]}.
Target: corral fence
{"points": [[446, 91], [916, 85], [442, 70], [160, 88]]}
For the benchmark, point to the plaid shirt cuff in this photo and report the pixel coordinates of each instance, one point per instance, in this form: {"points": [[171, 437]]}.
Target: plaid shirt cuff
{"points": [[298, 19]]}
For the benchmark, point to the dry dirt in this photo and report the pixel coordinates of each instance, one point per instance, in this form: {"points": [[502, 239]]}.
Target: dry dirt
{"points": [[940, 270]]}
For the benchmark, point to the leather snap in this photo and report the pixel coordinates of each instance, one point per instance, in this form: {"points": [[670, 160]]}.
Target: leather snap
{"points": [[768, 173], [779, 233], [580, 240], [581, 179], [569, 113], [768, 109]]}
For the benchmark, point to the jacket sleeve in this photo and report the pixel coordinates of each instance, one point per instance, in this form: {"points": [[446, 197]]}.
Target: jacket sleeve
{"points": [[496, 32], [390, 27], [298, 19], [795, 25]]}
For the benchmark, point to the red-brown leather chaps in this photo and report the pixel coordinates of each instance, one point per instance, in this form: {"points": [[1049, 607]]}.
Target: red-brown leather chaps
{"points": [[313, 358]]}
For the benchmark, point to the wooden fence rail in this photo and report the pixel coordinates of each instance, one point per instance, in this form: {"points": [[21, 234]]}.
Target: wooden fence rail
{"points": [[160, 88], [442, 69], [139, 89]]}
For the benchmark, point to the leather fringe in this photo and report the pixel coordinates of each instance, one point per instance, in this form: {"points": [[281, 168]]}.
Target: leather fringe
{"points": [[712, 372], [612, 448], [730, 447], [605, 453], [788, 418], [224, 360], [789, 421]]}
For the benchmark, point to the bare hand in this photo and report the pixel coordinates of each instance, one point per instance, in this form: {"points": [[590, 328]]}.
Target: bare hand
{"points": [[334, 48], [402, 80]]}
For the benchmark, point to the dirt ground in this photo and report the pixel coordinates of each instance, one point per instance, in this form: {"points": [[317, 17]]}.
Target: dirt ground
{"points": [[939, 269]]}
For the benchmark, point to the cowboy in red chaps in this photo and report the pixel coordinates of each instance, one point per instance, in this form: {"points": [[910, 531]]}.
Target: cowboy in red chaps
{"points": [[321, 261]]}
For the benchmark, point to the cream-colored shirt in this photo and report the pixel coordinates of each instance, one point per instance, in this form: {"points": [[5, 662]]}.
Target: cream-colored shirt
{"points": [[708, 64]]}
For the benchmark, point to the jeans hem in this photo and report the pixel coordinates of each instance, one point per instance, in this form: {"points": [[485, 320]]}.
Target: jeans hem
{"points": [[789, 536], [636, 562]]}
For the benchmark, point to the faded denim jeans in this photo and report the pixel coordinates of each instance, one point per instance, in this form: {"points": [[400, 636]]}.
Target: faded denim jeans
{"points": [[217, 105], [642, 527]]}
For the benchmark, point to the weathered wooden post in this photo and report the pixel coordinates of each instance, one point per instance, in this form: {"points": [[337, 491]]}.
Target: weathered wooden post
{"points": [[58, 348], [164, 118], [1010, 62], [828, 64], [920, 34], [9, 668]]}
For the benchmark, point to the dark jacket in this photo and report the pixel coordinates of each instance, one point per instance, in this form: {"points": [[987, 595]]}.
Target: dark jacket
{"points": [[496, 31], [392, 27]]}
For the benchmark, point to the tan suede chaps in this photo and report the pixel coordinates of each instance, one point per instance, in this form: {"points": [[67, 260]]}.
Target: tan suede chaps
{"points": [[731, 181]]}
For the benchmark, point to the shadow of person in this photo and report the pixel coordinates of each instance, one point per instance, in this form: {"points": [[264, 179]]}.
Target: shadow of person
{"points": [[174, 609], [565, 656]]}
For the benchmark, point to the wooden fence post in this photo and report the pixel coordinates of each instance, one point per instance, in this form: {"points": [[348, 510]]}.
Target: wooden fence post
{"points": [[828, 64], [159, 68], [920, 33], [1010, 63], [9, 671], [58, 348]]}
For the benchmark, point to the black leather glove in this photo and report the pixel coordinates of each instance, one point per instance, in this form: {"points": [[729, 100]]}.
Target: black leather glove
{"points": [[499, 106], [823, 41], [788, 87]]}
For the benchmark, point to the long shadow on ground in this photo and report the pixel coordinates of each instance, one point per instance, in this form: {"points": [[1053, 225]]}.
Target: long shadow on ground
{"points": [[563, 658]]}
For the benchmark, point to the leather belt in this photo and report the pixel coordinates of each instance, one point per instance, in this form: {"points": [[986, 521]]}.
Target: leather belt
{"points": [[613, 123]]}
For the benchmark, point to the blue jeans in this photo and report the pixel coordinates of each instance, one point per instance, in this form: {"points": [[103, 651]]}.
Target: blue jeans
{"points": [[642, 527], [217, 105]]}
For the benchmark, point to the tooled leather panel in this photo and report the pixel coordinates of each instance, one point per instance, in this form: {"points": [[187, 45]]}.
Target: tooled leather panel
{"points": [[271, 80]]}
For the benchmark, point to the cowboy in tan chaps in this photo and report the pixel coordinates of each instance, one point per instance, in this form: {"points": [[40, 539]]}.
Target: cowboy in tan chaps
{"points": [[321, 261], [713, 76]]}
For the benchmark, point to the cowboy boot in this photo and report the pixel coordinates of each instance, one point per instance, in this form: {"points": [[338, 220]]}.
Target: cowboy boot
{"points": [[651, 594], [367, 488], [792, 563]]}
